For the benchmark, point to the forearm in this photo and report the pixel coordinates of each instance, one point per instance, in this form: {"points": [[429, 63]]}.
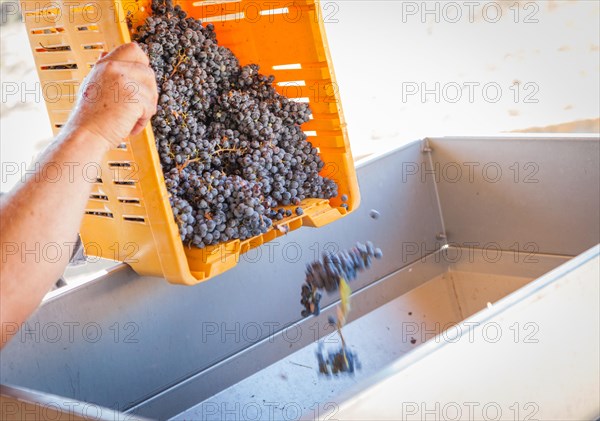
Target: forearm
{"points": [[39, 221], [40, 218]]}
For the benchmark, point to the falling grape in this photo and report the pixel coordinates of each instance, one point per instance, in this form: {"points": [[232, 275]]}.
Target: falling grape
{"points": [[374, 214], [325, 274], [331, 273]]}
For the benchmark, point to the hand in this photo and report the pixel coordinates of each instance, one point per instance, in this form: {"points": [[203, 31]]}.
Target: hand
{"points": [[118, 97]]}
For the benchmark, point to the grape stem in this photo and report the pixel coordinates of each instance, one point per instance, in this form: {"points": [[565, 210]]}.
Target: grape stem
{"points": [[342, 311], [188, 161], [180, 59]]}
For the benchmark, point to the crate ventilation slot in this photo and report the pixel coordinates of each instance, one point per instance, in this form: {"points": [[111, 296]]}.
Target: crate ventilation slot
{"points": [[223, 18], [134, 219], [48, 31], [122, 146], [46, 13], [213, 2], [88, 28], [52, 48], [125, 183], [73, 82], [98, 180], [85, 8], [119, 164], [96, 46], [129, 200], [60, 66], [99, 213], [272, 12], [295, 66], [292, 83], [102, 197]]}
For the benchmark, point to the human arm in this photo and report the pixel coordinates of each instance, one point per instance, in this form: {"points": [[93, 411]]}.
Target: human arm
{"points": [[44, 211]]}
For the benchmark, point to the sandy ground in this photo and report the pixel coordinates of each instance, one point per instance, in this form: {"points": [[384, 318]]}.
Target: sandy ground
{"points": [[406, 70]]}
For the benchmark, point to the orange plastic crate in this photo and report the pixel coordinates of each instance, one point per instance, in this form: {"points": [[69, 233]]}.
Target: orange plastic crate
{"points": [[128, 217]]}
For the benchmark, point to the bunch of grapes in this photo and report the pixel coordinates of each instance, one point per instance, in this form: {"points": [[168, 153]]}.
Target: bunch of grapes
{"points": [[231, 148], [330, 274], [325, 274], [342, 360]]}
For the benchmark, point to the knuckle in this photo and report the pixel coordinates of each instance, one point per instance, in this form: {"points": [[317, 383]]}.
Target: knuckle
{"points": [[130, 46], [147, 71], [110, 66], [137, 50]]}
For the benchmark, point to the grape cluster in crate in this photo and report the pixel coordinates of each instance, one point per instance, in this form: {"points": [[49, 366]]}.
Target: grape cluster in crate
{"points": [[231, 148]]}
